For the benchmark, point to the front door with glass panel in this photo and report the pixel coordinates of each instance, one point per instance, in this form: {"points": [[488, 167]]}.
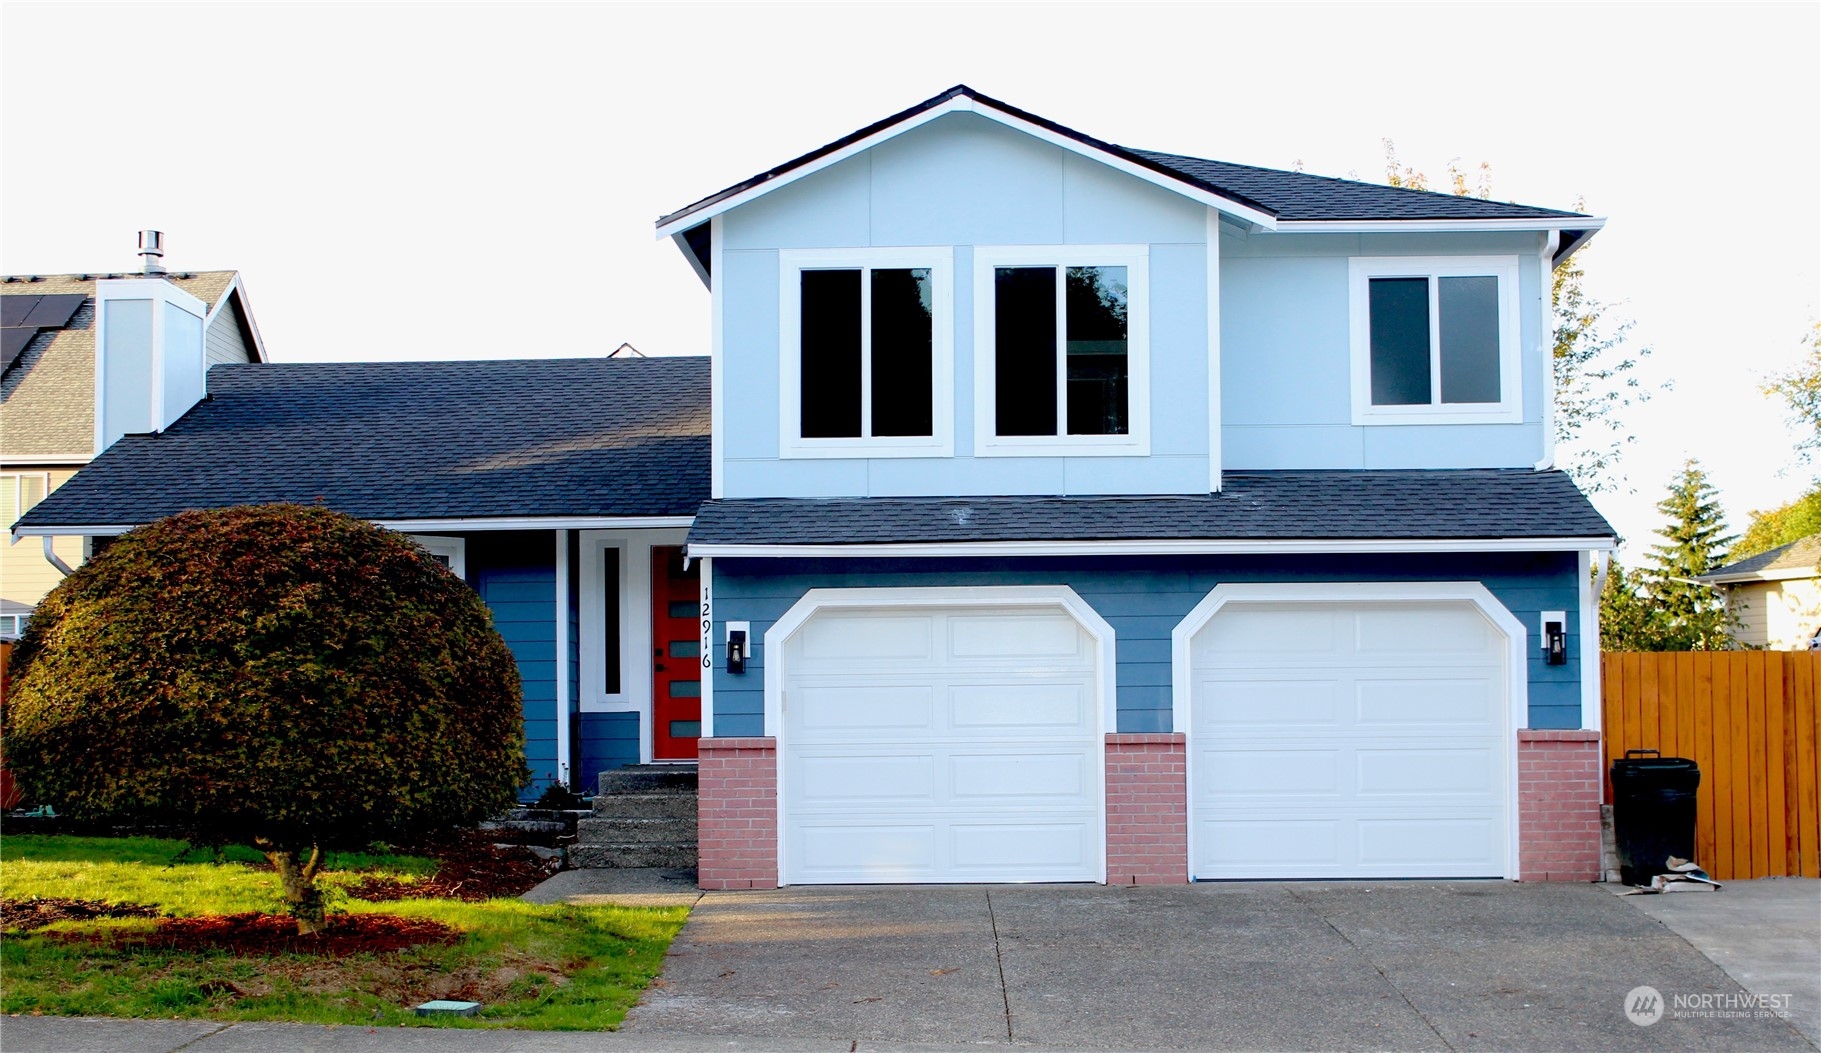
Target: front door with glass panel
{"points": [[676, 635]]}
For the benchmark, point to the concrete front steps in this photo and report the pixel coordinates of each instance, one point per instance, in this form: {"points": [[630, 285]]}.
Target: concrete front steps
{"points": [[644, 816]]}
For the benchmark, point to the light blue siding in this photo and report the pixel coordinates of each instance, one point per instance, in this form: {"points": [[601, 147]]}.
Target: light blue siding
{"points": [[1144, 598], [1286, 367], [959, 182], [609, 741], [515, 574]]}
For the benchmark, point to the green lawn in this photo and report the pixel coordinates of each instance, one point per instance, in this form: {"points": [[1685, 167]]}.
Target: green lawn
{"points": [[535, 966]]}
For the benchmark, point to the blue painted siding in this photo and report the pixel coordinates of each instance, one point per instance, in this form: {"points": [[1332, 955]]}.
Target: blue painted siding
{"points": [[959, 182], [1144, 598], [1286, 367], [608, 741], [515, 573]]}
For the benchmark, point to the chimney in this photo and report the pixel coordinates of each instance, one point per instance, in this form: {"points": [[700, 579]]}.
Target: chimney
{"points": [[151, 250]]}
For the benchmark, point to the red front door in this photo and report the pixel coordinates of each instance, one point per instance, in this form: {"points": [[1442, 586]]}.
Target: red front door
{"points": [[676, 635]]}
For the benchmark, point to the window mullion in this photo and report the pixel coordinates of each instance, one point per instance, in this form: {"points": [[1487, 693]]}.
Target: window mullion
{"points": [[1062, 350], [1435, 340], [866, 352]]}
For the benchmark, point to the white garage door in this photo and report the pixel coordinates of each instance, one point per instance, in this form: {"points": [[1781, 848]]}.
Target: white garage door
{"points": [[1337, 740], [940, 745]]}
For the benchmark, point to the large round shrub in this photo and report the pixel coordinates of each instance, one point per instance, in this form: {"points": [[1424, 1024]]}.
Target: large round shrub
{"points": [[278, 675]]}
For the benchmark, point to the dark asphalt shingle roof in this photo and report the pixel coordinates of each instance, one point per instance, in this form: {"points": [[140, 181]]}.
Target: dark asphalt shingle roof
{"points": [[1803, 554], [1276, 505], [1285, 195], [417, 440]]}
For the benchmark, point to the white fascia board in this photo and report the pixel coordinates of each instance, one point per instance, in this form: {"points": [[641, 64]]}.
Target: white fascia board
{"points": [[1427, 226], [1790, 574], [1142, 547], [695, 264], [55, 460], [1254, 218], [425, 526]]}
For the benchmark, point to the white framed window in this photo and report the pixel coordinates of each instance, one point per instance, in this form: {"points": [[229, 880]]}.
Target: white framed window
{"points": [[1435, 340], [1062, 356], [451, 552], [19, 491], [12, 625], [866, 348]]}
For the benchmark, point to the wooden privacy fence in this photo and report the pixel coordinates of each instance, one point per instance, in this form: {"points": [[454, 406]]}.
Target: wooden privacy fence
{"points": [[1749, 720]]}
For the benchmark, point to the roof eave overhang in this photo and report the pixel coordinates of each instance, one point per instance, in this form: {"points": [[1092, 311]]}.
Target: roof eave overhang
{"points": [[1584, 226], [677, 222], [1760, 577], [1159, 547], [427, 525]]}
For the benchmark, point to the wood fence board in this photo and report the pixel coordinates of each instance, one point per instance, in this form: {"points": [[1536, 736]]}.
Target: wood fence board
{"points": [[1776, 812], [1808, 808], [1701, 702], [1739, 697], [1757, 756], [1718, 788], [1650, 723]]}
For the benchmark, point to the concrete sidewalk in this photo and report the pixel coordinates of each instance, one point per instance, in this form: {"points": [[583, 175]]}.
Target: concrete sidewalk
{"points": [[1365, 965]]}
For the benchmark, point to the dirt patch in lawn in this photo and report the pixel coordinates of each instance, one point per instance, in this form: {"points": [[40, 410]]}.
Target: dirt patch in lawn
{"points": [[469, 868], [23, 915], [400, 982], [271, 934]]}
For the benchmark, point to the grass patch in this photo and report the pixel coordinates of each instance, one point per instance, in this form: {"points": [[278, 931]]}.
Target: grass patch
{"points": [[553, 967]]}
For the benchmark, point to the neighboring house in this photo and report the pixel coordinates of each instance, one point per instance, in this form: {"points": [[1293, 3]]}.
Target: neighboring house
{"points": [[48, 394], [1774, 597], [1062, 512]]}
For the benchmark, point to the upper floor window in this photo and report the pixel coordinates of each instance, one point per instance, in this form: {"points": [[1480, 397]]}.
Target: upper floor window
{"points": [[1435, 340], [866, 353], [1061, 350], [19, 491]]}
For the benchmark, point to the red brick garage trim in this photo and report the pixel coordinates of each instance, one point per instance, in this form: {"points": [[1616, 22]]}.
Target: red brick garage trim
{"points": [[737, 813], [1558, 805], [1147, 809]]}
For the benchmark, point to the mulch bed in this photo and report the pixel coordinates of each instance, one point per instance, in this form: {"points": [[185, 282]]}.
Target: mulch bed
{"points": [[22, 915], [469, 868], [255, 933]]}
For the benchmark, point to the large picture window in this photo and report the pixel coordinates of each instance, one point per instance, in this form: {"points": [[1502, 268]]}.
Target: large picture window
{"points": [[1062, 350], [865, 348], [1435, 340]]}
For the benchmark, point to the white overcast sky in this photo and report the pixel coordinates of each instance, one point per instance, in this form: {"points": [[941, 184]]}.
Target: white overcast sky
{"points": [[479, 181]]}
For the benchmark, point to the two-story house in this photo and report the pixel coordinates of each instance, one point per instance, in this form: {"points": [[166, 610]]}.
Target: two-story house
{"points": [[1050, 511]]}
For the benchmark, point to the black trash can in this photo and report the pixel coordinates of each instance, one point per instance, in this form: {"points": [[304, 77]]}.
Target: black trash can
{"points": [[1653, 812]]}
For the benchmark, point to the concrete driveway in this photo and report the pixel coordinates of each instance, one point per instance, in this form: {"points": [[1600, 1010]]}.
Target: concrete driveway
{"points": [[1368, 965]]}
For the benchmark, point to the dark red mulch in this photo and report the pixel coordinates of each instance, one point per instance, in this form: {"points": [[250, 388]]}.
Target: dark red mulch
{"points": [[254, 933], [23, 915], [469, 868]]}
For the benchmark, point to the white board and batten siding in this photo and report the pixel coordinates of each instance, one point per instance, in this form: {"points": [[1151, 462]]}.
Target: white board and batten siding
{"points": [[933, 744], [1349, 740]]}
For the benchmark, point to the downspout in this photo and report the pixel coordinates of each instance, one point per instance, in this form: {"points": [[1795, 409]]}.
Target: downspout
{"points": [[51, 557], [1546, 281]]}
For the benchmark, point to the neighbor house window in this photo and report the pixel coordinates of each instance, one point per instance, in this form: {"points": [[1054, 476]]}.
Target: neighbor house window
{"points": [[451, 552], [19, 491], [1435, 340], [1061, 350], [865, 353], [12, 625]]}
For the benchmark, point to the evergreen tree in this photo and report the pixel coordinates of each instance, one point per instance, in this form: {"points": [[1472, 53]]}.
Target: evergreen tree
{"points": [[1686, 615]]}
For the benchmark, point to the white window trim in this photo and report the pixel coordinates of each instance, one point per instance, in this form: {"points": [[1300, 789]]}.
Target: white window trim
{"points": [[453, 549], [1137, 443], [940, 261], [1508, 410], [633, 549], [1516, 654], [16, 480]]}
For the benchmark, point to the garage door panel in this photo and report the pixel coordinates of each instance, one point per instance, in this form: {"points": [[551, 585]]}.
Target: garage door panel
{"points": [[1008, 638], [1269, 773], [853, 779], [1028, 777], [1039, 851], [1428, 847], [1065, 708], [867, 638], [1315, 700], [1425, 772], [1286, 630], [894, 708], [1425, 630], [1467, 701], [891, 851], [1251, 843]]}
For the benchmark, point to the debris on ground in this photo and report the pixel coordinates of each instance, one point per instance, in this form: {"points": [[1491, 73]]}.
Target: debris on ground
{"points": [[470, 867], [35, 912]]}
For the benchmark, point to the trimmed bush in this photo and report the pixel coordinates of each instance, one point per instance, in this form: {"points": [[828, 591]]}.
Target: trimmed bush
{"points": [[277, 675]]}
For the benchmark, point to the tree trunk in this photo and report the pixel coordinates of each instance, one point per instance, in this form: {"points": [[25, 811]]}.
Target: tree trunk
{"points": [[302, 898]]}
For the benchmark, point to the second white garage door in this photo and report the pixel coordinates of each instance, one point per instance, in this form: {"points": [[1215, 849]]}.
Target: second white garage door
{"points": [[1336, 740], [940, 745]]}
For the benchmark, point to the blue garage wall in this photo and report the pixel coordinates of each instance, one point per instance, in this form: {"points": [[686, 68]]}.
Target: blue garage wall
{"points": [[609, 741], [1144, 598], [515, 573]]}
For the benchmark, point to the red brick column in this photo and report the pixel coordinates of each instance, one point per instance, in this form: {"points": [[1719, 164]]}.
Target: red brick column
{"points": [[1559, 792], [1147, 810], [737, 813]]}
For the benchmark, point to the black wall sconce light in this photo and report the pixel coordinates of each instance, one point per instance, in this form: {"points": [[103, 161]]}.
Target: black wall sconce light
{"points": [[1555, 637], [737, 646]]}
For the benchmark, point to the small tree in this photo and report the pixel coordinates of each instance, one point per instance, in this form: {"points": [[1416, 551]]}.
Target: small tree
{"points": [[1687, 615], [276, 675]]}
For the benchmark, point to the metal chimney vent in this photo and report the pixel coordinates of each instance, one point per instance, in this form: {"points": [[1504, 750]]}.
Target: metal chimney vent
{"points": [[151, 250]]}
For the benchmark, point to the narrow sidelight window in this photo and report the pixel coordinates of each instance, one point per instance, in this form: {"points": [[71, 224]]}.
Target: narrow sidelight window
{"points": [[610, 621]]}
